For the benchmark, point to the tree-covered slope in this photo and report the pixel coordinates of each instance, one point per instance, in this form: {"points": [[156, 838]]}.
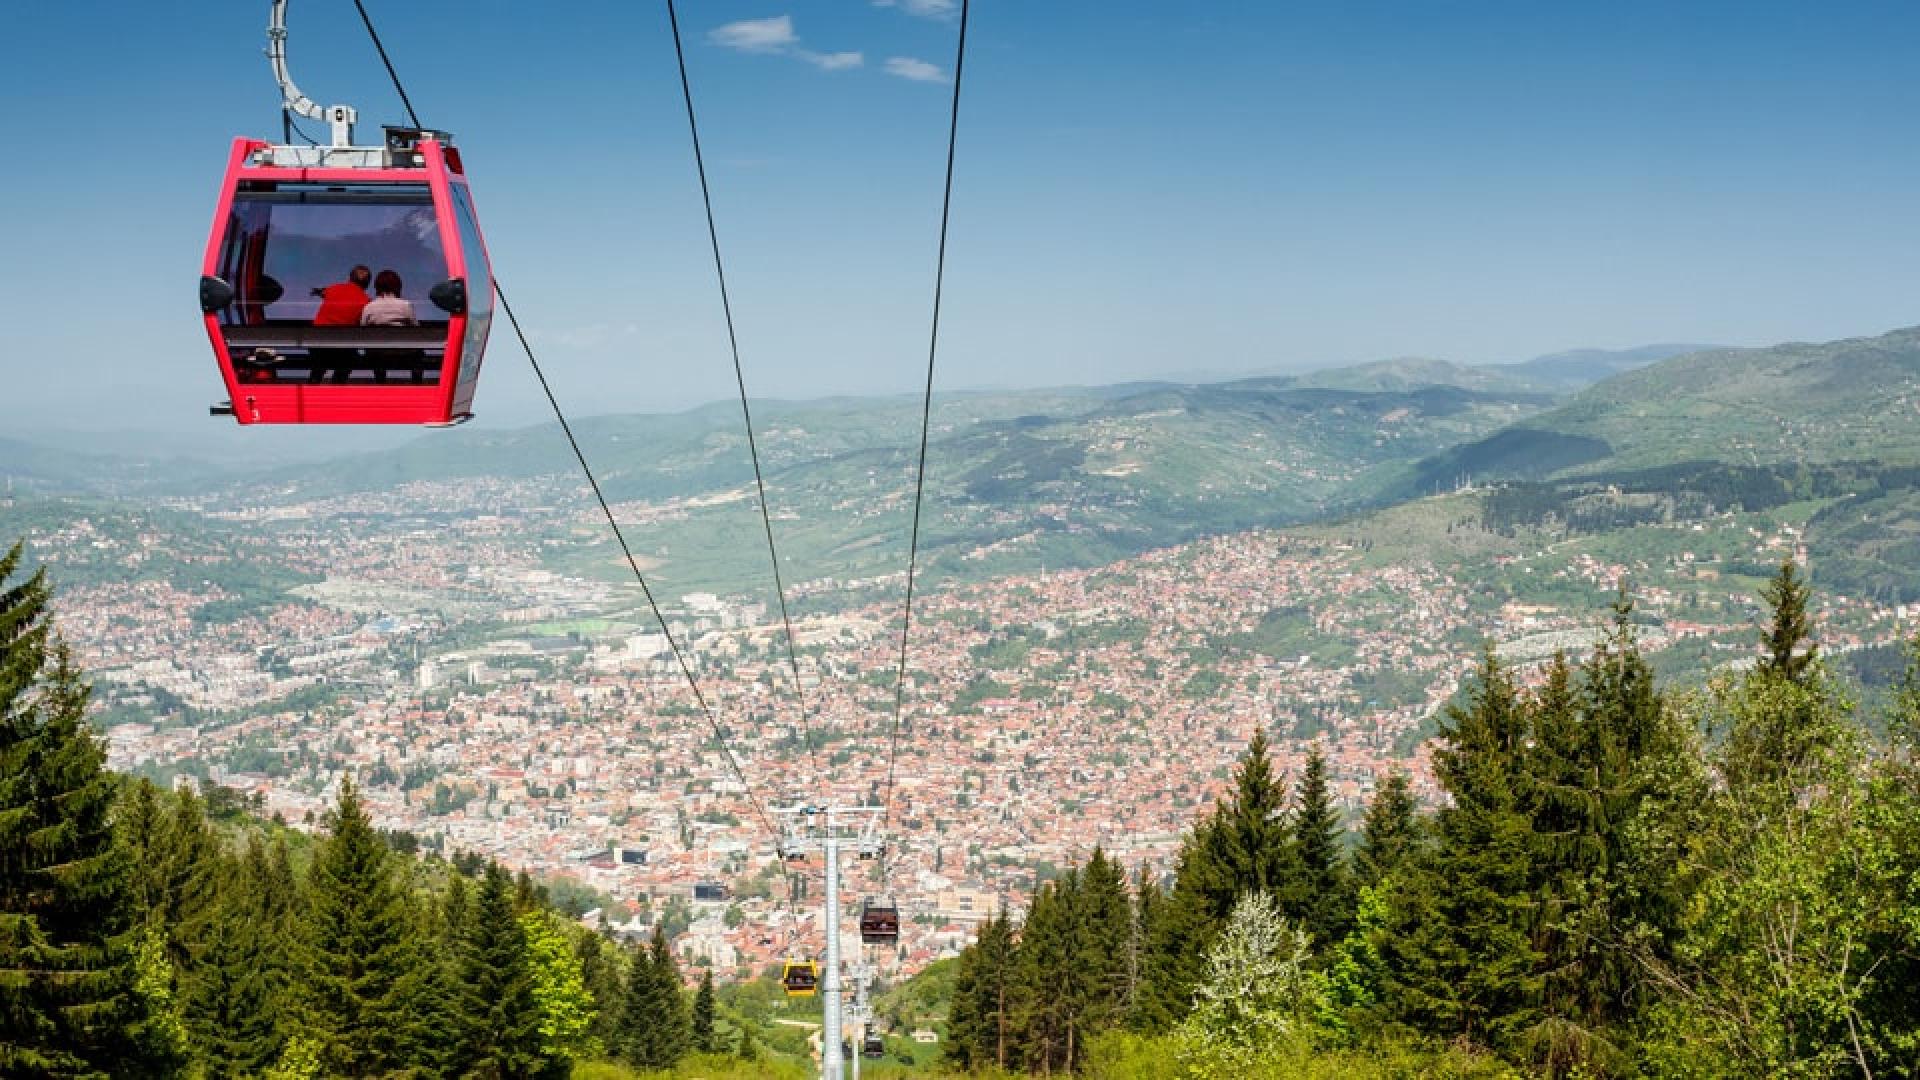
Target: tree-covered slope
{"points": [[1856, 399], [1014, 481]]}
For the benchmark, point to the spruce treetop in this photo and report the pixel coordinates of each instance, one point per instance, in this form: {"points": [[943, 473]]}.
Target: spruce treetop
{"points": [[1788, 638]]}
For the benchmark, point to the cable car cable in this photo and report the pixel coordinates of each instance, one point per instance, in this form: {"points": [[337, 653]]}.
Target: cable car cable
{"points": [[926, 415], [740, 380], [412, 116], [713, 720], [719, 732]]}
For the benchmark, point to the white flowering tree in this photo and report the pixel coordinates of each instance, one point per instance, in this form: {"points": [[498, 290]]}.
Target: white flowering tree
{"points": [[1258, 996]]}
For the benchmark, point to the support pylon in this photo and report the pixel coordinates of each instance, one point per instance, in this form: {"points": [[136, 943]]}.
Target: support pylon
{"points": [[829, 829]]}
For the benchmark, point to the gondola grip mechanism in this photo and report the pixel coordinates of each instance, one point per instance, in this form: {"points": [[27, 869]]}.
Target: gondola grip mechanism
{"points": [[339, 118]]}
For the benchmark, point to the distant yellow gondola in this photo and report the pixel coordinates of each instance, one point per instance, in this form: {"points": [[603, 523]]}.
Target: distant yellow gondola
{"points": [[800, 977]]}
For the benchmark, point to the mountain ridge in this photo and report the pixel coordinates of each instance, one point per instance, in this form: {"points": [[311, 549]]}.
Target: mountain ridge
{"points": [[122, 459], [1844, 400]]}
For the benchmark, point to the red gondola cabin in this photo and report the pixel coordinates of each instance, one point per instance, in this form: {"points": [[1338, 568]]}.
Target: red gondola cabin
{"points": [[347, 285], [879, 922]]}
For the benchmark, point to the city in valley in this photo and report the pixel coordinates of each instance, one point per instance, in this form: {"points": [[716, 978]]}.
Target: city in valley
{"points": [[446, 650]]}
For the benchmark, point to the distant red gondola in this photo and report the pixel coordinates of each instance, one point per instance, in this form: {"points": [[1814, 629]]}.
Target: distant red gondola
{"points": [[879, 922], [345, 284]]}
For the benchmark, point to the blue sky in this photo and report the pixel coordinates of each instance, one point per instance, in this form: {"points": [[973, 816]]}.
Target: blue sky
{"points": [[1144, 188]]}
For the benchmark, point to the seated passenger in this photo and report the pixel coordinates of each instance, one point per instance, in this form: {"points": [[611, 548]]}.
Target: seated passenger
{"points": [[340, 305], [342, 301], [388, 307]]}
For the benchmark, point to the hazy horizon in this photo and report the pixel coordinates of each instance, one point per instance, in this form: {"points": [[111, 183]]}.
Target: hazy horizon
{"points": [[216, 435], [1142, 190]]}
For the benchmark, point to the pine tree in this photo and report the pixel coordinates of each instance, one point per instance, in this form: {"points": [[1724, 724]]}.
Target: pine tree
{"points": [[966, 1023], [1244, 845], [234, 987], [67, 1000], [703, 1039], [1148, 898], [1777, 728], [265, 875], [1644, 774], [1103, 941], [1046, 1011], [1258, 849], [1391, 834], [439, 1009], [527, 895], [186, 868], [1569, 770], [502, 1021], [654, 1014], [1461, 961], [980, 1023], [176, 861], [600, 972], [1322, 895], [279, 891], [238, 991], [640, 1008], [141, 821], [359, 964], [456, 907], [1789, 635], [678, 1032], [1173, 925]]}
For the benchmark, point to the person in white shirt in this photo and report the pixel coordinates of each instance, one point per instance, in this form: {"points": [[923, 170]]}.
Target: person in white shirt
{"points": [[388, 307]]}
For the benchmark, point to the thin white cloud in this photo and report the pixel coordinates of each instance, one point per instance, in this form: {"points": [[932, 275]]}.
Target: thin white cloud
{"points": [[776, 35], [926, 9], [838, 61], [592, 335], [907, 67], [757, 35]]}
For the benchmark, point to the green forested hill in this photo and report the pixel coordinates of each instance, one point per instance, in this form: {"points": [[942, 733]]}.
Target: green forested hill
{"points": [[1083, 476], [1833, 428], [1856, 399], [1575, 368], [1413, 372], [1015, 481]]}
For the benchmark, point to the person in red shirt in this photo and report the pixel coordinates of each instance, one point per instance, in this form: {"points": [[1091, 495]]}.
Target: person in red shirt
{"points": [[340, 303]]}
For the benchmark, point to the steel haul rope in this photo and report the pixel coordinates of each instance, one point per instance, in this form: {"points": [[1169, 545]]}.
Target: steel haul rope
{"points": [[686, 670], [926, 415], [740, 380]]}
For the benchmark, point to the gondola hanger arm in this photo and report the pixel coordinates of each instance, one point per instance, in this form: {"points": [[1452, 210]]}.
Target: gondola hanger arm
{"points": [[339, 118]]}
